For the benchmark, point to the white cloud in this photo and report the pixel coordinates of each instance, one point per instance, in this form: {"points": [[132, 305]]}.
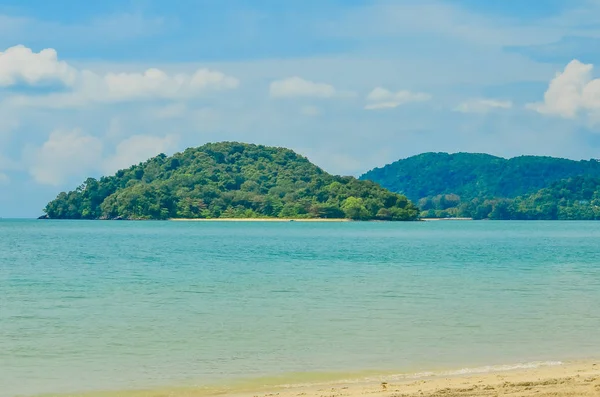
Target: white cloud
{"points": [[136, 149], [381, 98], [72, 153], [4, 179], [382, 105], [66, 153], [298, 87], [156, 84], [20, 64], [153, 84], [570, 92], [482, 105]]}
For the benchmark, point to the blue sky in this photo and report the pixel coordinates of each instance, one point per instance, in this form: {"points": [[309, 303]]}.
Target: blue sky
{"points": [[87, 88]]}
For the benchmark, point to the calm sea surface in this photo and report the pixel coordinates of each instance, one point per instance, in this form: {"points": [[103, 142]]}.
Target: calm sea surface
{"points": [[90, 306]]}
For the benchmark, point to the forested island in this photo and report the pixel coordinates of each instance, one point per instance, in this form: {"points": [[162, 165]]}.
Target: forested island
{"points": [[230, 180], [481, 186]]}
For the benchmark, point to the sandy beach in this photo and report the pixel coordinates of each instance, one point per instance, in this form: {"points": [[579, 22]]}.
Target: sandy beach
{"points": [[446, 219], [570, 379], [580, 379], [261, 220]]}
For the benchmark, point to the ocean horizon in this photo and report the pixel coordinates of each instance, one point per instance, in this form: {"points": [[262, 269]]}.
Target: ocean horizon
{"points": [[123, 306]]}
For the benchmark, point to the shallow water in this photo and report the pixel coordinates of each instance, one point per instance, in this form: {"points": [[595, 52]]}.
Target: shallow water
{"points": [[87, 306]]}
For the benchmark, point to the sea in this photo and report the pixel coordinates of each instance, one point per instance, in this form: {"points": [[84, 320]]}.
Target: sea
{"points": [[118, 307]]}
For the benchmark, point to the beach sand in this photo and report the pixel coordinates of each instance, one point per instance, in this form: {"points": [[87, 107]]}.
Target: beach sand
{"points": [[573, 379], [580, 379], [261, 220]]}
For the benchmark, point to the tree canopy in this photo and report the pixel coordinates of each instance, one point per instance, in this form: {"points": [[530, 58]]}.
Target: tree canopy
{"points": [[575, 198], [229, 180], [482, 186], [475, 175]]}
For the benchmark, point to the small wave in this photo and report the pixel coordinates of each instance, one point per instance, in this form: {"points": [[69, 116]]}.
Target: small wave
{"points": [[476, 370], [503, 368]]}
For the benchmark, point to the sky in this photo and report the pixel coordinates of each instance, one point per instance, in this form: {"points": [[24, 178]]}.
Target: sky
{"points": [[87, 88]]}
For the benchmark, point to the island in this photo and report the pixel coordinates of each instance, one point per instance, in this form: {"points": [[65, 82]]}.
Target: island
{"points": [[481, 186], [230, 180]]}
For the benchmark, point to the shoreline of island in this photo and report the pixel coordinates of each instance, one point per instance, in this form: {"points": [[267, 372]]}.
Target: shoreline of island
{"points": [[260, 220], [447, 219]]}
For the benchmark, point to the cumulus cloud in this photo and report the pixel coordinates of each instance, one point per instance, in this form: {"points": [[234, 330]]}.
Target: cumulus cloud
{"points": [[66, 153], [298, 87], [20, 65], [154, 83], [136, 149], [381, 98], [72, 153], [571, 91], [482, 105]]}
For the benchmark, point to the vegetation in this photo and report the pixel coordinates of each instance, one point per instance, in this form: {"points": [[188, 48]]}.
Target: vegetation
{"points": [[229, 180], [575, 198], [481, 186]]}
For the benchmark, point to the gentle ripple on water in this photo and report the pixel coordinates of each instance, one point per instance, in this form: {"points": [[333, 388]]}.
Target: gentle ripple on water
{"points": [[122, 305]]}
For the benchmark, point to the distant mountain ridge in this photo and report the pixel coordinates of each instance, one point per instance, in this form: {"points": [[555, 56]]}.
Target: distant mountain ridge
{"points": [[229, 180], [480, 185]]}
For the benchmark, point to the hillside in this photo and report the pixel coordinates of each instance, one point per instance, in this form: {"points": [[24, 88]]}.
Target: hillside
{"points": [[575, 198], [229, 180], [471, 175], [458, 184]]}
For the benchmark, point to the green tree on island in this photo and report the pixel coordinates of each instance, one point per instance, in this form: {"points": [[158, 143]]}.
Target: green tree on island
{"points": [[481, 186], [229, 180]]}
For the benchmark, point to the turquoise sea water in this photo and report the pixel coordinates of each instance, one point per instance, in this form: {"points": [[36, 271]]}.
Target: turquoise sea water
{"points": [[90, 306]]}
